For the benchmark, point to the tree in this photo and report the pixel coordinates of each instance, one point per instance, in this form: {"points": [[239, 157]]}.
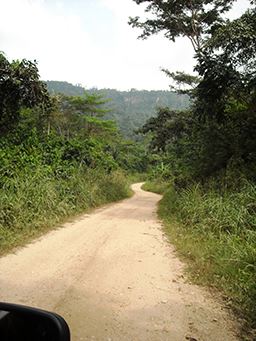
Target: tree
{"points": [[20, 87], [236, 41], [89, 104], [227, 67], [219, 131], [226, 95], [185, 83], [166, 128], [83, 116], [194, 19]]}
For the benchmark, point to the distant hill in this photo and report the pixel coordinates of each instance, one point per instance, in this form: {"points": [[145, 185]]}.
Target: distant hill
{"points": [[56, 87], [130, 109]]}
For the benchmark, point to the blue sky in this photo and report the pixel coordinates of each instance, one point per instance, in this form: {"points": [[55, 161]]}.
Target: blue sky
{"points": [[89, 42]]}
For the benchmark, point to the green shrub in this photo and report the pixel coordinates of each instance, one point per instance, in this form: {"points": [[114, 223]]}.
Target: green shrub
{"points": [[158, 187], [216, 232], [29, 203]]}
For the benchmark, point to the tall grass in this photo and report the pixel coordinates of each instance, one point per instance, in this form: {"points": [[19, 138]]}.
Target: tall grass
{"points": [[216, 233], [158, 187], [32, 202]]}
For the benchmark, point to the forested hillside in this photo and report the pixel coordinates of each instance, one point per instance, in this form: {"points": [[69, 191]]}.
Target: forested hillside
{"points": [[130, 109]]}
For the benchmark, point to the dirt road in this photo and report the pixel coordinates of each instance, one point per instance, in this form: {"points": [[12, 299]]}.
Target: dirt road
{"points": [[113, 276]]}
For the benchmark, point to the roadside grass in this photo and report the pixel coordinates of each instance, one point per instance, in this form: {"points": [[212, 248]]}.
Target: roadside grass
{"points": [[33, 203], [137, 177], [156, 187], [216, 234]]}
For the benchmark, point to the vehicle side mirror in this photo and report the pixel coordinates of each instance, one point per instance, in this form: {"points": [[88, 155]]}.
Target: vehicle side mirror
{"points": [[21, 323]]}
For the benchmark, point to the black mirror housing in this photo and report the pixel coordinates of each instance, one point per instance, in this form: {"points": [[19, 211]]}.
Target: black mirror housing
{"points": [[22, 323]]}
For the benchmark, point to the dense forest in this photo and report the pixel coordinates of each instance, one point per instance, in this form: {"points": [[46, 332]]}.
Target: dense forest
{"points": [[58, 156], [129, 109], [206, 156]]}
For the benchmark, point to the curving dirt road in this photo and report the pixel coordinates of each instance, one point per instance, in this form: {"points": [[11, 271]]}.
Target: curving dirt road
{"points": [[114, 277]]}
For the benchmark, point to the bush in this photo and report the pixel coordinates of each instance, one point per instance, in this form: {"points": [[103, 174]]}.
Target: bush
{"points": [[217, 233], [30, 203]]}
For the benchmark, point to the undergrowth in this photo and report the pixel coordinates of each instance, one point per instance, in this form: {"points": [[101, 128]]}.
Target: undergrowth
{"points": [[216, 233], [158, 187], [31, 203]]}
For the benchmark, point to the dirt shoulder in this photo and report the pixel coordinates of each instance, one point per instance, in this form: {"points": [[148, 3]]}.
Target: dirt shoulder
{"points": [[113, 276]]}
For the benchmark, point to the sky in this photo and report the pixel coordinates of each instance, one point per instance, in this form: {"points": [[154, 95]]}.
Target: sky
{"points": [[89, 42]]}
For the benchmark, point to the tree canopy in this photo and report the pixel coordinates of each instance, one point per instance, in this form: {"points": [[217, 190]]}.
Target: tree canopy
{"points": [[19, 87], [195, 19], [218, 131]]}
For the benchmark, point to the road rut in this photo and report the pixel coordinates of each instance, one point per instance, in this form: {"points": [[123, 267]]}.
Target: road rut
{"points": [[113, 276]]}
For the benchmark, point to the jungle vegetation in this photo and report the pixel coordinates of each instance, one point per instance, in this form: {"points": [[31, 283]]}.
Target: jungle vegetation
{"points": [[58, 156], [129, 109], [205, 157]]}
